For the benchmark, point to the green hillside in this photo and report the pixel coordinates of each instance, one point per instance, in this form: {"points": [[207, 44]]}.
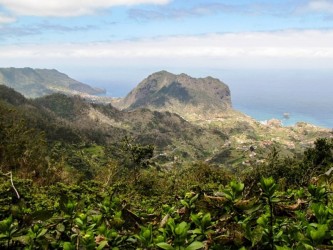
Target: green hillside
{"points": [[40, 82], [181, 94], [81, 175]]}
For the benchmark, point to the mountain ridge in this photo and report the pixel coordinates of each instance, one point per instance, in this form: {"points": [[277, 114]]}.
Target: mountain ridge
{"points": [[181, 94], [34, 83], [73, 119]]}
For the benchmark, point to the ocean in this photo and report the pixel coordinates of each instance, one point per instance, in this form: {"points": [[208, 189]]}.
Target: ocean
{"points": [[305, 96], [294, 116]]}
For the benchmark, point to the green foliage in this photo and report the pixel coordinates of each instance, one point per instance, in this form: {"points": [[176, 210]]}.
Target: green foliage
{"points": [[203, 222], [22, 150], [180, 237], [84, 216], [60, 104], [297, 171], [145, 237], [137, 156], [234, 191], [283, 203], [8, 228], [321, 155]]}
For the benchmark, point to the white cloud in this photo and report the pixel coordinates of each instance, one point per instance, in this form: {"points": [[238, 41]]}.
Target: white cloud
{"points": [[6, 19], [67, 7], [284, 49], [321, 6]]}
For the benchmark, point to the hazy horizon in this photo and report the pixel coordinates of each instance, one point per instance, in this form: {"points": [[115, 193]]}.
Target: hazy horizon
{"points": [[118, 43]]}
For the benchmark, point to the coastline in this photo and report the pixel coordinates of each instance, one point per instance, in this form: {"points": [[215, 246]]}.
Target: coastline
{"points": [[264, 116]]}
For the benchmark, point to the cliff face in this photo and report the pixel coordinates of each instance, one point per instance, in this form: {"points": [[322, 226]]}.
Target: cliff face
{"points": [[39, 82], [180, 94]]}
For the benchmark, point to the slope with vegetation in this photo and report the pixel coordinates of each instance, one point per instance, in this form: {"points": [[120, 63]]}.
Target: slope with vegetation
{"points": [[78, 175], [40, 82], [132, 203], [206, 103]]}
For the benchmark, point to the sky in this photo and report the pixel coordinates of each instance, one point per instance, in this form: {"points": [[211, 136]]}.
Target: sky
{"points": [[117, 43]]}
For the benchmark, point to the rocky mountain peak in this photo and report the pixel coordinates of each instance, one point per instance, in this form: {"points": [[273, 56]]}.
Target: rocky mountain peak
{"points": [[181, 94]]}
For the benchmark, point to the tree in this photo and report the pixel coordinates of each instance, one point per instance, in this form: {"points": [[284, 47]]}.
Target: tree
{"points": [[137, 156], [22, 149], [319, 159]]}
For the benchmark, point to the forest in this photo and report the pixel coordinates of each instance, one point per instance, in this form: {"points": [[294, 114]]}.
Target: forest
{"points": [[68, 187]]}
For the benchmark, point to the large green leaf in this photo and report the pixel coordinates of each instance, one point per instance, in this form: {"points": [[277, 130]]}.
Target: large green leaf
{"points": [[181, 228], [206, 219], [42, 233], [68, 246], [282, 248], [165, 246], [318, 234], [195, 245]]}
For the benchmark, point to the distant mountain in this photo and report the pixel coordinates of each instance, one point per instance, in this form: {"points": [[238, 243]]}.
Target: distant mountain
{"points": [[181, 94], [220, 140], [40, 82], [216, 133], [73, 119]]}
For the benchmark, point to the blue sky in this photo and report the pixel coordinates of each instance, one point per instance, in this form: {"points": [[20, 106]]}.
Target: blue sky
{"points": [[119, 42]]}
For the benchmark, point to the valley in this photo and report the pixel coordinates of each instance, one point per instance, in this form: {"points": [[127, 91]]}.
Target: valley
{"points": [[185, 118], [170, 166]]}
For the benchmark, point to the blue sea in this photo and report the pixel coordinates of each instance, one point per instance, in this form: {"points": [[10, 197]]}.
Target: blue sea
{"points": [[306, 96]]}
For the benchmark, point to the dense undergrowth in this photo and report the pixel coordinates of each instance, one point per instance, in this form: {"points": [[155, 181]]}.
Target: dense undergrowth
{"points": [[92, 216], [194, 207]]}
